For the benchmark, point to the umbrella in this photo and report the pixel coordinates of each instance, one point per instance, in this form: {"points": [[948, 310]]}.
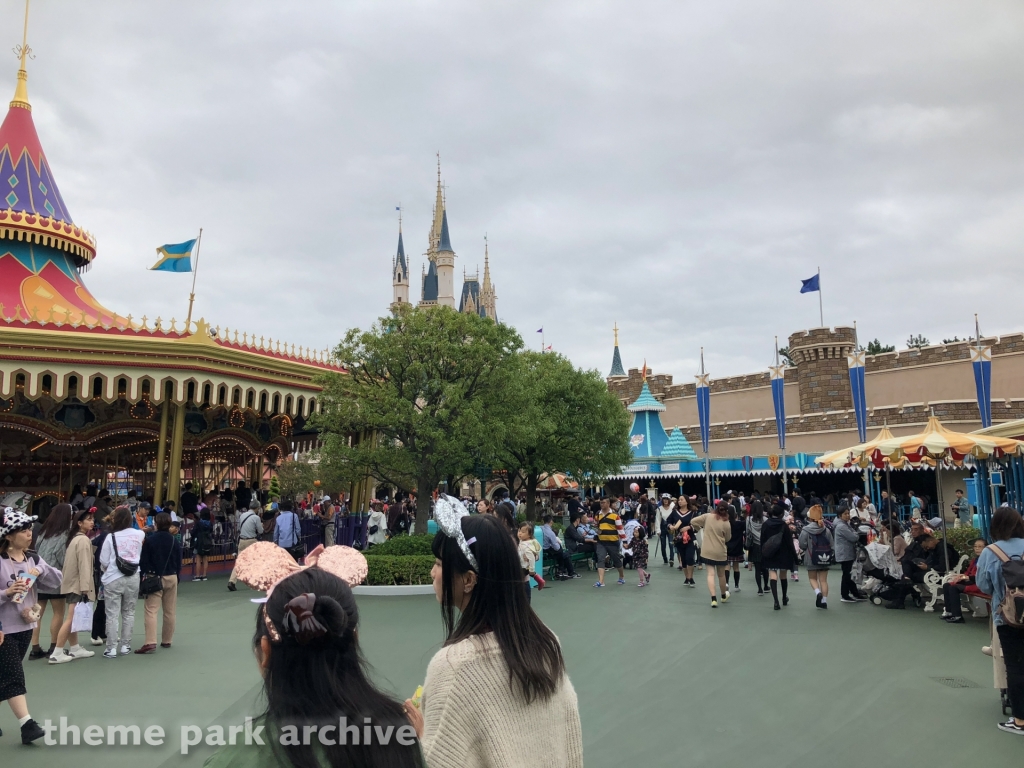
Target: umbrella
{"points": [[556, 481], [861, 455]]}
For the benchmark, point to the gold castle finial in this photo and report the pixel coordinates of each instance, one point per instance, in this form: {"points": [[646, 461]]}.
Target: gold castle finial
{"points": [[23, 52], [616, 329]]}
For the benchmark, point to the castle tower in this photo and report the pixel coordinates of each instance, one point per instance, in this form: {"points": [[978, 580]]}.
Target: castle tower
{"points": [[400, 272], [822, 372], [470, 301], [617, 371], [488, 295], [444, 259]]}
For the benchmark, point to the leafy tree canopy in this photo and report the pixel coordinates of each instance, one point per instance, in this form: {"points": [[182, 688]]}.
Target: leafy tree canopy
{"points": [[877, 348], [428, 392]]}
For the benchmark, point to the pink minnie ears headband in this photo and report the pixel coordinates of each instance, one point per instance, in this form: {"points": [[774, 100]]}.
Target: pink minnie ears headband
{"points": [[448, 513], [264, 565]]}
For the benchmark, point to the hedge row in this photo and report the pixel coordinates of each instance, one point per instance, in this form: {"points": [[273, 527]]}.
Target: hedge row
{"points": [[403, 545], [386, 570]]}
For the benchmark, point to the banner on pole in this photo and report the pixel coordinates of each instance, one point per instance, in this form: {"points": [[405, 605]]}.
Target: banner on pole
{"points": [[981, 361], [856, 362], [704, 408], [779, 399]]}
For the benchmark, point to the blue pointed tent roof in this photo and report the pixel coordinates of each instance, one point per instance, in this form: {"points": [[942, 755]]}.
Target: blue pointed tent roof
{"points": [[471, 289], [645, 402], [617, 369], [678, 446], [446, 243], [430, 284], [400, 256]]}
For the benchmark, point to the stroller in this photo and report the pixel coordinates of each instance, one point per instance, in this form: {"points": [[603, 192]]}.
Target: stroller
{"points": [[875, 568]]}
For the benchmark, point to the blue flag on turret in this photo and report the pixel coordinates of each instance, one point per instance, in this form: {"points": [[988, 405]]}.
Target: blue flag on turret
{"points": [[176, 257], [981, 361], [856, 362], [811, 284], [778, 378]]}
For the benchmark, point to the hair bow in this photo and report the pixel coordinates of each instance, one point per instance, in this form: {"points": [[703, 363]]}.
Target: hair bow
{"points": [[448, 513], [264, 565]]}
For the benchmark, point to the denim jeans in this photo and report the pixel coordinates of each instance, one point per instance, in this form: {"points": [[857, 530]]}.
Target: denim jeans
{"points": [[667, 548]]}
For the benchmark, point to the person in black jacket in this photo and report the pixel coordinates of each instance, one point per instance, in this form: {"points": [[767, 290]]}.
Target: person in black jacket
{"points": [[161, 556], [925, 554], [778, 554], [99, 616]]}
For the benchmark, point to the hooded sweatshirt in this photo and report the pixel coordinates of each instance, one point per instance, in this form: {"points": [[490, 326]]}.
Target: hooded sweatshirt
{"points": [[813, 528], [48, 581]]}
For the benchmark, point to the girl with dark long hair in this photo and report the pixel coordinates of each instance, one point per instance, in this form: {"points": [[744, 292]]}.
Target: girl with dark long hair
{"points": [[51, 545], [714, 549], [314, 674], [497, 692]]}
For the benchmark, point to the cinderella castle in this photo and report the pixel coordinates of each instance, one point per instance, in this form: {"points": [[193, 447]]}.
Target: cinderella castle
{"points": [[437, 282]]}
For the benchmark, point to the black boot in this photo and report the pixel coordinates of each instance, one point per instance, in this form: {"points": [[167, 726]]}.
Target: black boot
{"points": [[785, 589], [775, 594]]}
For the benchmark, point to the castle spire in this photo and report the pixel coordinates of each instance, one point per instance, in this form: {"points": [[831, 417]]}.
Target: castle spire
{"points": [[487, 267], [617, 369], [435, 228], [23, 52]]}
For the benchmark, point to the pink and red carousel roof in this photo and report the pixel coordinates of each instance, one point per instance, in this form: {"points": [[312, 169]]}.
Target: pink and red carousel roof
{"points": [[31, 207]]}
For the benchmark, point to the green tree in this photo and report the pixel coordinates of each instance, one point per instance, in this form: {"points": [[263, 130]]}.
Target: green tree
{"points": [[784, 354], [432, 388], [299, 476], [566, 421], [918, 341], [275, 487], [876, 347]]}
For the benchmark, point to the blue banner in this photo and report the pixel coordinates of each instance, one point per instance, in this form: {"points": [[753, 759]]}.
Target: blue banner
{"points": [[779, 399], [704, 408], [981, 361], [860, 401]]}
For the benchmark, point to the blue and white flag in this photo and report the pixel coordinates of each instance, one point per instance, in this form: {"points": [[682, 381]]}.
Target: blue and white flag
{"points": [[981, 361], [778, 374], [856, 362], [704, 408]]}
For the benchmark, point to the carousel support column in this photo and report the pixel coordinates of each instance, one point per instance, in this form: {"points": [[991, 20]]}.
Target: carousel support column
{"points": [[161, 452], [942, 509], [174, 463]]}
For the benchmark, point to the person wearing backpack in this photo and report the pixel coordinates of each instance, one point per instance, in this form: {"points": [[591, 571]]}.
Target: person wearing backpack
{"points": [[819, 551], [250, 527], [1001, 574]]}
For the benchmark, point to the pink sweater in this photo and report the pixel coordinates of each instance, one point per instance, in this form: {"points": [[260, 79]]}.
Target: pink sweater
{"points": [[10, 612]]}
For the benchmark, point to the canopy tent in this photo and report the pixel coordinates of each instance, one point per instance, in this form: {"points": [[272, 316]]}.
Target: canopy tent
{"points": [[556, 481], [932, 447]]}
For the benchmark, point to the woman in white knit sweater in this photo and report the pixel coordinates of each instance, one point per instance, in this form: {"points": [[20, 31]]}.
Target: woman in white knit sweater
{"points": [[497, 693]]}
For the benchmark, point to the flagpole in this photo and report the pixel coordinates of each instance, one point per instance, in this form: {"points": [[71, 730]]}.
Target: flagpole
{"points": [[821, 310], [785, 479], [707, 460], [195, 271]]}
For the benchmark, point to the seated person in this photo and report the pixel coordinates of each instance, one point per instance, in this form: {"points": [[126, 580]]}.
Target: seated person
{"points": [[962, 583], [923, 555], [553, 548]]}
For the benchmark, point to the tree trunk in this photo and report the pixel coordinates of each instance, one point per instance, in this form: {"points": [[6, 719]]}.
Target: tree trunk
{"points": [[425, 487], [531, 496]]}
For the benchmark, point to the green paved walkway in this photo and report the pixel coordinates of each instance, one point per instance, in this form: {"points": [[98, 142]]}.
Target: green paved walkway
{"points": [[740, 685]]}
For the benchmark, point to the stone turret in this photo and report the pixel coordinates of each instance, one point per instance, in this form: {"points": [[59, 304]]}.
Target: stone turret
{"points": [[822, 372]]}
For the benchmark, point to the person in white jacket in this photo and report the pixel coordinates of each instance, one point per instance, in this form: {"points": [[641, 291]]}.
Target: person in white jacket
{"points": [[376, 525], [666, 508]]}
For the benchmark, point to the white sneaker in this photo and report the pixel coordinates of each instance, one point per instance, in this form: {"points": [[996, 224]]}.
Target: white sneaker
{"points": [[60, 656], [81, 653], [126, 649], [96, 641], [987, 650]]}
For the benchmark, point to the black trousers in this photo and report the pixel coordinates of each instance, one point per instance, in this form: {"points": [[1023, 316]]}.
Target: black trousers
{"points": [[667, 553], [951, 598], [1012, 641], [99, 620], [561, 559], [847, 588]]}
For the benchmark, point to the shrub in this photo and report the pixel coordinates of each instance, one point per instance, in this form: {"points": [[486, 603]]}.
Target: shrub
{"points": [[386, 570], [960, 539], [404, 545]]}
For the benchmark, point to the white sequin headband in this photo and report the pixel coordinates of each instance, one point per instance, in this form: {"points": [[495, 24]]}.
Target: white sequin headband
{"points": [[448, 513]]}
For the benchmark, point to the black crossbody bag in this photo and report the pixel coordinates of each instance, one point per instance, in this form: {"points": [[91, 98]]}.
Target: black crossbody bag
{"points": [[125, 567]]}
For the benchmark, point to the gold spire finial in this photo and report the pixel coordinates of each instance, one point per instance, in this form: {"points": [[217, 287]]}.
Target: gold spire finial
{"points": [[616, 329], [23, 52]]}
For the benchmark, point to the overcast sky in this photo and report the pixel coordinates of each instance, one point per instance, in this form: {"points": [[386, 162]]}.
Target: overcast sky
{"points": [[676, 167]]}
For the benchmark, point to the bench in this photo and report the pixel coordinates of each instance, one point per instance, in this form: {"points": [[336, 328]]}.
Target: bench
{"points": [[549, 569], [931, 589]]}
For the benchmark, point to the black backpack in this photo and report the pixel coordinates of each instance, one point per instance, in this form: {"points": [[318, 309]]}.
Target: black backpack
{"points": [[1012, 605]]}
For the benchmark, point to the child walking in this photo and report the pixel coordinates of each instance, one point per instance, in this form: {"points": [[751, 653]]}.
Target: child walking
{"points": [[638, 550], [24, 573]]}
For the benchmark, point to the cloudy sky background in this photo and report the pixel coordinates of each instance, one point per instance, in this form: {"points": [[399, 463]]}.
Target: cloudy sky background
{"points": [[676, 167]]}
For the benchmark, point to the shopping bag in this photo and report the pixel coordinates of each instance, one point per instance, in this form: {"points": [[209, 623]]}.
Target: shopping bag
{"points": [[82, 621]]}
